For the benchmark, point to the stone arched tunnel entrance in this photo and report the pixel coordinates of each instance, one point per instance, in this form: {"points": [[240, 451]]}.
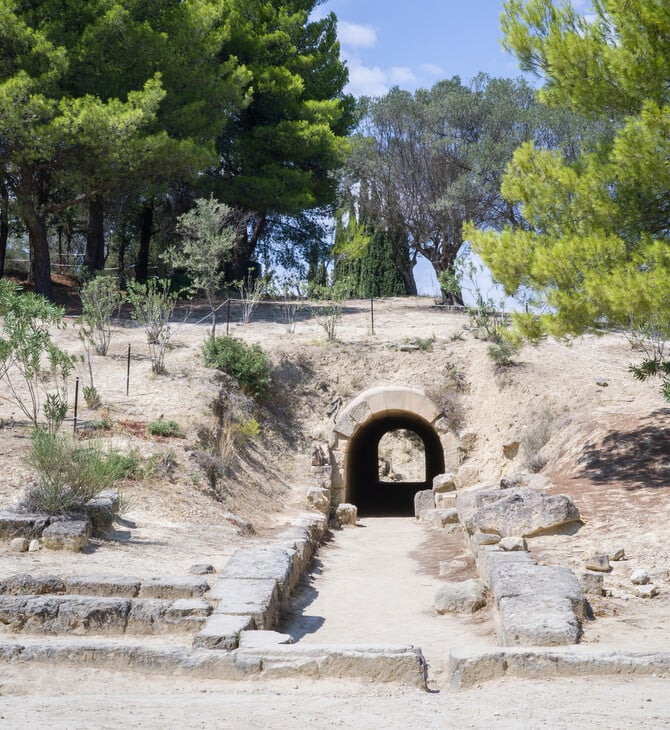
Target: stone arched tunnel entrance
{"points": [[355, 448]]}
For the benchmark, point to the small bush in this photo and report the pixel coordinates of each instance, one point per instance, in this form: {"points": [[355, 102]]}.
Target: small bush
{"points": [[165, 428], [248, 364], [70, 473], [92, 397], [535, 437]]}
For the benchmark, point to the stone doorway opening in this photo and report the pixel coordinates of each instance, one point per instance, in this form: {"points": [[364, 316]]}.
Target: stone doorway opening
{"points": [[365, 424]]}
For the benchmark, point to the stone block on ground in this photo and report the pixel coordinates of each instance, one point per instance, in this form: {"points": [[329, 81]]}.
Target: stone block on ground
{"points": [[276, 563], [34, 546], [592, 583], [26, 584], [104, 585], [512, 544], [346, 514], [646, 591], [102, 510], [639, 577], [263, 639], [424, 500], [21, 524], [444, 517], [444, 483], [19, 545], [201, 569], [92, 615], [258, 599], [599, 562], [173, 587], [465, 596], [69, 535], [480, 539], [222, 632], [538, 620], [525, 511]]}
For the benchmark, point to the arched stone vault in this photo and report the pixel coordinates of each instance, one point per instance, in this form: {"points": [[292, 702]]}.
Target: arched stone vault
{"points": [[355, 439]]}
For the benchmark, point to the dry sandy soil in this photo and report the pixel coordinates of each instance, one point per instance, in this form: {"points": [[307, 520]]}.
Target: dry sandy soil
{"points": [[607, 447]]}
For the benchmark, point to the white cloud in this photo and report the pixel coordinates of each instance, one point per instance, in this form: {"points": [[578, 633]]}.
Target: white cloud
{"points": [[366, 80], [432, 69], [401, 75], [356, 36]]}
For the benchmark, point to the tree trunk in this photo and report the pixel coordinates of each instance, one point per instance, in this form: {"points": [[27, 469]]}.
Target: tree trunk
{"points": [[402, 260], [35, 222], [40, 258], [95, 235], [4, 226], [245, 246], [146, 231]]}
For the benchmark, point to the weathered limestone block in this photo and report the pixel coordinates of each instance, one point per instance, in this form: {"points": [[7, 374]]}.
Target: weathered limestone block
{"points": [[537, 620], [423, 501], [525, 512], [263, 639], [146, 616], [258, 599], [104, 585], [173, 587], [275, 563], [480, 539], [67, 535], [201, 569], [592, 583], [102, 510], [64, 614], [25, 584], [599, 562], [444, 483], [19, 545], [512, 544], [222, 632], [640, 577], [445, 500], [346, 514], [19, 524], [91, 615], [318, 498], [646, 591], [189, 608], [465, 596]]}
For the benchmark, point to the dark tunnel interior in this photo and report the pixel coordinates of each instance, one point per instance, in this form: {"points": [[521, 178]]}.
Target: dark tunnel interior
{"points": [[375, 498]]}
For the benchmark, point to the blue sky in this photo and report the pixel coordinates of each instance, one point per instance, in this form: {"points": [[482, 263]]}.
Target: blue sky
{"points": [[415, 44]]}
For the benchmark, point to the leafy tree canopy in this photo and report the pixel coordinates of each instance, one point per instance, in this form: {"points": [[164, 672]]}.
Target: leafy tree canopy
{"points": [[595, 244]]}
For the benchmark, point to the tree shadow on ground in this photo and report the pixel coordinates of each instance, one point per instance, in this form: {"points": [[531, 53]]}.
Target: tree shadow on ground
{"points": [[639, 456]]}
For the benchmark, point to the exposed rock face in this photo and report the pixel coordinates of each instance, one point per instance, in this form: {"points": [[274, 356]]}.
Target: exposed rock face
{"points": [[465, 596], [517, 511]]}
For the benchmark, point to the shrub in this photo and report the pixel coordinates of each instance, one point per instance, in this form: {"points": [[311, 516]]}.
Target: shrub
{"points": [[92, 397], [71, 473], [29, 355], [165, 428], [100, 298], [248, 364]]}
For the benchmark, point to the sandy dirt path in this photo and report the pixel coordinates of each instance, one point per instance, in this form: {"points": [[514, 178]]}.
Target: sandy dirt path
{"points": [[375, 584]]}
